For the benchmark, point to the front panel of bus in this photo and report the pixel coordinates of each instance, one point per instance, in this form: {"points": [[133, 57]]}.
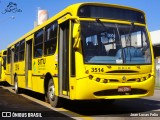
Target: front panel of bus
{"points": [[115, 60]]}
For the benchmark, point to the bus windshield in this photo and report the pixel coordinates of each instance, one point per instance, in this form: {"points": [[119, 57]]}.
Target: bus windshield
{"points": [[113, 43]]}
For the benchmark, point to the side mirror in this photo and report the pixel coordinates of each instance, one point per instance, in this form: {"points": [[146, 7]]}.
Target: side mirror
{"points": [[76, 35]]}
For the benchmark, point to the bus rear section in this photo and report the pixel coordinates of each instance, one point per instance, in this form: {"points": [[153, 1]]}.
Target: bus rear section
{"points": [[2, 65]]}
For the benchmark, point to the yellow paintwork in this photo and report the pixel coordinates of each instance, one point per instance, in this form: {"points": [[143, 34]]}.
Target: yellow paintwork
{"points": [[8, 74], [87, 91], [84, 88], [2, 71], [80, 86]]}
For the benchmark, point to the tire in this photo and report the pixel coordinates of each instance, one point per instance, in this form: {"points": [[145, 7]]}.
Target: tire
{"points": [[46, 98], [54, 100], [16, 88]]}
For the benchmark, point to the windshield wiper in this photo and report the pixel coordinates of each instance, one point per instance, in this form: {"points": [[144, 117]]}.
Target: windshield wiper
{"points": [[98, 21]]}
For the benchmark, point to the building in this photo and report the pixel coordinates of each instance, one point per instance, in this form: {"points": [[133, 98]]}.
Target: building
{"points": [[155, 37]]}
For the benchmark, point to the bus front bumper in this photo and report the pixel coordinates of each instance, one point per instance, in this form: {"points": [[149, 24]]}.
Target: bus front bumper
{"points": [[87, 89]]}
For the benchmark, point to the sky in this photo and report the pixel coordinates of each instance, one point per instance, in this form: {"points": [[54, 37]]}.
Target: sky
{"points": [[15, 25]]}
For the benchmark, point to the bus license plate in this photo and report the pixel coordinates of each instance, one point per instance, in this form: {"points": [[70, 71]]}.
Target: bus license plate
{"points": [[124, 88]]}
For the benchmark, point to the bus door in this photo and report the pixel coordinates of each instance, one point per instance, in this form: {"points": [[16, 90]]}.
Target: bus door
{"points": [[12, 66], [63, 58], [28, 62]]}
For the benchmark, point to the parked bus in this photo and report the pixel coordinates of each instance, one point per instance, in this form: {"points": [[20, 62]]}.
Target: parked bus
{"points": [[87, 51], [3, 54]]}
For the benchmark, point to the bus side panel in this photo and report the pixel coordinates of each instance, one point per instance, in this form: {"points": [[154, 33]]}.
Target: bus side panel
{"points": [[21, 81], [42, 66], [8, 73], [0, 68], [19, 69], [8, 79], [3, 75], [2, 71], [38, 84], [37, 78]]}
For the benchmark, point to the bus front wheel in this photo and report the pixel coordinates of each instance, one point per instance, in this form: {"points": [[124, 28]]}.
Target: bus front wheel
{"points": [[54, 100]]}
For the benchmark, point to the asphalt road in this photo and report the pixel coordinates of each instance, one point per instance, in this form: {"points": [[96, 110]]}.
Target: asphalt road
{"points": [[122, 108], [17, 106], [143, 109]]}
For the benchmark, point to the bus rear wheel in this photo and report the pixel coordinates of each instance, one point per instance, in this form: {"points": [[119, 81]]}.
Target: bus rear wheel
{"points": [[54, 100], [17, 90]]}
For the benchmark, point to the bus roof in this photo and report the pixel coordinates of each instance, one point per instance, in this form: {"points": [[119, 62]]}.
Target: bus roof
{"points": [[72, 9]]}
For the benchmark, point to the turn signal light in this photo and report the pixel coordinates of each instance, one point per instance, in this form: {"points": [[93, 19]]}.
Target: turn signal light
{"points": [[149, 75], [90, 77], [98, 79], [105, 81], [87, 72], [138, 80], [144, 78]]}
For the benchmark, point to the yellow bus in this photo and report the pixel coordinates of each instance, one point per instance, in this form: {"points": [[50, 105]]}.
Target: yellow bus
{"points": [[3, 54], [87, 51]]}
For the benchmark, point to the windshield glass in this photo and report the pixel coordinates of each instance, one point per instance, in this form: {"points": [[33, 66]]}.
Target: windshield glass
{"points": [[112, 43]]}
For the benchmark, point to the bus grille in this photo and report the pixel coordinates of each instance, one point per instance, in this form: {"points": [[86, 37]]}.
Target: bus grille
{"points": [[132, 80], [115, 92]]}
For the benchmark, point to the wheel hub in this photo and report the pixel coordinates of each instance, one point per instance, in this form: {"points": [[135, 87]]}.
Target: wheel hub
{"points": [[16, 86], [52, 92]]}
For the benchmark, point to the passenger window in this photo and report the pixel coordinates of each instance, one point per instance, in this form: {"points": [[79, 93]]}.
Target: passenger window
{"points": [[38, 44], [9, 55], [4, 62], [21, 50], [16, 52], [50, 39]]}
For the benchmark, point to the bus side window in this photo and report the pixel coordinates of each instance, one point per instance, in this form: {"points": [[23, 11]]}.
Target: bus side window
{"points": [[38, 44], [9, 55], [16, 55], [21, 50], [50, 39], [4, 62]]}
